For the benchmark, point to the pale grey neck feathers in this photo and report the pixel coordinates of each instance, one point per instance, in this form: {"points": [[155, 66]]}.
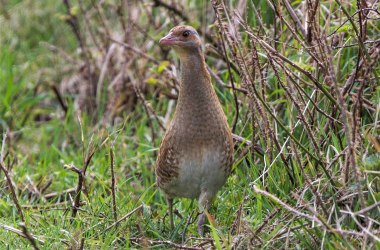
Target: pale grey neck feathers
{"points": [[196, 84]]}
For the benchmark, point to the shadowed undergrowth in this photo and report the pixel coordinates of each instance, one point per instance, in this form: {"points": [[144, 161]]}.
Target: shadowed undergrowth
{"points": [[86, 94]]}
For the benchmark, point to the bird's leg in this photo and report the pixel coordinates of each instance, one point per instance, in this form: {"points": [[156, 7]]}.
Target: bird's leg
{"points": [[204, 204], [201, 223], [170, 203]]}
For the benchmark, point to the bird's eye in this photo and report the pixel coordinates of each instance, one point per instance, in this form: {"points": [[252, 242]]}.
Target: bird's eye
{"points": [[186, 33]]}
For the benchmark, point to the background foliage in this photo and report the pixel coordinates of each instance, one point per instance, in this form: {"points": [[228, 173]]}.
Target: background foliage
{"points": [[85, 88]]}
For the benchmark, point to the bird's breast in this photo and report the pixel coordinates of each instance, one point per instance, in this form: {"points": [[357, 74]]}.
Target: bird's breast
{"points": [[200, 169]]}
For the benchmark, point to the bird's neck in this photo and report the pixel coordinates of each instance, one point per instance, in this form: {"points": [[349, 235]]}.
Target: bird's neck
{"points": [[198, 106], [196, 84]]}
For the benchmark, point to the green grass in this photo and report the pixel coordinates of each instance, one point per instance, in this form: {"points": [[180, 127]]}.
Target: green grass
{"points": [[42, 140]]}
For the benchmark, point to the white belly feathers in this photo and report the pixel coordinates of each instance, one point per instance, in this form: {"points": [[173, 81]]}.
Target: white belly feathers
{"points": [[199, 174]]}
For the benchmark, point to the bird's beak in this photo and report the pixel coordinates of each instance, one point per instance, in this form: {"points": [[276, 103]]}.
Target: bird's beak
{"points": [[169, 39]]}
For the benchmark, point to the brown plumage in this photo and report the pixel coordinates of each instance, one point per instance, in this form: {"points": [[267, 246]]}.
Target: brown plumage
{"points": [[195, 155]]}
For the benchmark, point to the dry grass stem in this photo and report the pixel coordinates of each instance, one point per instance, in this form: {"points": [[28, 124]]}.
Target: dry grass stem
{"points": [[124, 217], [21, 233]]}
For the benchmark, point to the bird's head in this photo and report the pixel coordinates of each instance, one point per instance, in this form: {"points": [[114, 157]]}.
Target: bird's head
{"points": [[182, 38]]}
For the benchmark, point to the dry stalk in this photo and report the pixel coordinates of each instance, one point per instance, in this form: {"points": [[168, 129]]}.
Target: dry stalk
{"points": [[266, 221], [188, 222], [9, 180], [20, 233], [316, 218], [348, 120], [183, 16], [308, 182], [297, 104], [25, 232], [88, 26], [113, 184], [301, 90], [295, 18], [124, 217], [103, 21], [54, 195], [73, 22], [365, 230], [60, 99], [157, 243], [86, 157], [237, 54], [28, 236], [147, 107], [227, 60], [266, 129]]}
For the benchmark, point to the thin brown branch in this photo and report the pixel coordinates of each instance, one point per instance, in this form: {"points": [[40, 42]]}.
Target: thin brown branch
{"points": [[247, 142], [135, 50], [157, 243], [287, 207], [188, 222], [295, 18], [365, 230], [227, 60], [9, 180], [148, 108], [86, 156], [28, 236], [113, 184], [20, 233], [124, 217], [60, 99], [184, 17], [367, 209], [171, 8], [53, 195], [222, 84]]}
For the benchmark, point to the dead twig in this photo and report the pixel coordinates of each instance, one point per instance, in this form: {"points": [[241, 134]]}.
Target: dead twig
{"points": [[60, 99], [28, 236], [256, 147], [113, 184], [221, 83], [157, 243], [9, 180], [188, 222], [227, 60], [124, 217], [291, 209], [365, 230], [81, 172], [173, 9], [185, 18], [20, 233], [59, 194]]}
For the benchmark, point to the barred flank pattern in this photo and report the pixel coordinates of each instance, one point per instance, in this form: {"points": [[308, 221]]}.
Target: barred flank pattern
{"points": [[167, 164]]}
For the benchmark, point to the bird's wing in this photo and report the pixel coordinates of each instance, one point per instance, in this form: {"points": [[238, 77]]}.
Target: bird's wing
{"points": [[167, 162]]}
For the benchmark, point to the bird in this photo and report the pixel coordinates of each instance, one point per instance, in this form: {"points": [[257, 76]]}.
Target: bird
{"points": [[196, 153]]}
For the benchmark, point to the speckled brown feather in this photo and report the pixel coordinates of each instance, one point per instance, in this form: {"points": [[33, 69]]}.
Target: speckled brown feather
{"points": [[167, 162]]}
